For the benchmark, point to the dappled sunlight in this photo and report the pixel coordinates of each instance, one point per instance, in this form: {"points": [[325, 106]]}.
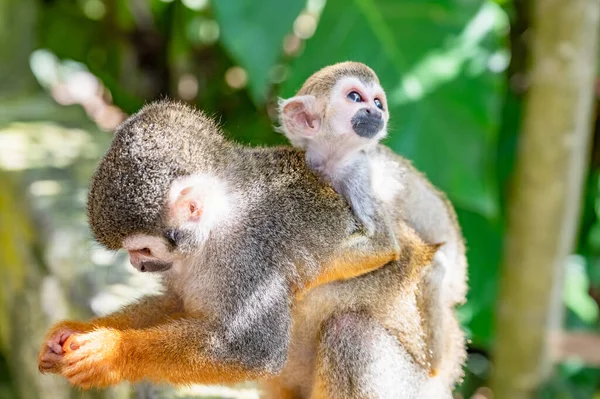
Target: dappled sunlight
{"points": [[38, 145], [70, 82]]}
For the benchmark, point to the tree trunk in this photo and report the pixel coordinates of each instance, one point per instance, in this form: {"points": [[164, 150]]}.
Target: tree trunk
{"points": [[545, 204]]}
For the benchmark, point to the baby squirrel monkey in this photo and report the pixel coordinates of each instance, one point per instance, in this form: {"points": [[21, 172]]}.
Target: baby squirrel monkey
{"points": [[338, 127], [338, 117]]}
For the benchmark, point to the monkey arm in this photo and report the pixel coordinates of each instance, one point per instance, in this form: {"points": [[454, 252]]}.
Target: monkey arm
{"points": [[359, 255], [182, 351], [147, 311]]}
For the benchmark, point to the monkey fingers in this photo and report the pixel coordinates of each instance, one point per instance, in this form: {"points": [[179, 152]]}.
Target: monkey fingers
{"points": [[48, 361], [69, 345], [53, 346], [93, 359]]}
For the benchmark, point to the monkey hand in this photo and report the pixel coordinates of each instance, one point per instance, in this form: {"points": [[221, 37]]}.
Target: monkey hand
{"points": [[93, 359], [83, 353], [52, 349]]}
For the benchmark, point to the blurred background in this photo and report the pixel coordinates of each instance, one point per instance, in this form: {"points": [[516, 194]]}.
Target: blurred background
{"points": [[457, 80]]}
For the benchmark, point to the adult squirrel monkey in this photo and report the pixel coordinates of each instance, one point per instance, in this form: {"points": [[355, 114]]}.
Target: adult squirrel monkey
{"points": [[237, 234]]}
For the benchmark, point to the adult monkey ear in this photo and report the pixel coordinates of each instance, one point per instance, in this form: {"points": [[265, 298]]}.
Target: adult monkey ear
{"points": [[186, 201], [299, 117]]}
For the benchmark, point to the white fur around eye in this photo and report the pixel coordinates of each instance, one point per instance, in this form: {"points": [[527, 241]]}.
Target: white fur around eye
{"points": [[342, 109]]}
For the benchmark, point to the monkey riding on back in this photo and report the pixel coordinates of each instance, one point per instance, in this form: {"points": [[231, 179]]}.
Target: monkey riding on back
{"points": [[239, 234], [338, 117]]}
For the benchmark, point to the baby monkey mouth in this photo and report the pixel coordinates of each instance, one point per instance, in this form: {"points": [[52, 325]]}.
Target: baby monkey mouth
{"points": [[367, 122]]}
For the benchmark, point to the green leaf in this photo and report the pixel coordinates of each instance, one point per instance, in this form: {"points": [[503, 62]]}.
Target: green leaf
{"points": [[484, 248], [441, 63], [253, 32]]}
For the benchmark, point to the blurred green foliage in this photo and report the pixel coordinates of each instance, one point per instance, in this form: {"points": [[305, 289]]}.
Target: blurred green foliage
{"points": [[444, 65]]}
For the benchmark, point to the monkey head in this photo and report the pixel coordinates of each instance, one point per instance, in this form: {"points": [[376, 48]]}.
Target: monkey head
{"points": [[195, 205], [146, 195], [343, 101]]}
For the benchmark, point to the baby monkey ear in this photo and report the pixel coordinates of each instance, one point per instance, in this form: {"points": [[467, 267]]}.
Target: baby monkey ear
{"points": [[299, 116]]}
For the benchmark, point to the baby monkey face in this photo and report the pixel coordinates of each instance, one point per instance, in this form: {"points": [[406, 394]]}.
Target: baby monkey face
{"points": [[358, 107]]}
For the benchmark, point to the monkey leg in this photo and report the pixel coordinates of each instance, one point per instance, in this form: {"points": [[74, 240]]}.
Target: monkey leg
{"points": [[358, 359]]}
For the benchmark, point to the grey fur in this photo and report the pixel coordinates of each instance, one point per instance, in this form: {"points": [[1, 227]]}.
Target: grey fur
{"points": [[277, 243], [367, 362], [342, 161], [142, 150]]}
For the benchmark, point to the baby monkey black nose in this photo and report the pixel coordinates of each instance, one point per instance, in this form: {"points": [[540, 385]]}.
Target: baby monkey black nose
{"points": [[374, 112], [367, 122]]}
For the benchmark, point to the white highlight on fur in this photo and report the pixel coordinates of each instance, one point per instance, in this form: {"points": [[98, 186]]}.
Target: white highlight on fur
{"points": [[383, 183], [449, 279], [391, 373], [266, 296]]}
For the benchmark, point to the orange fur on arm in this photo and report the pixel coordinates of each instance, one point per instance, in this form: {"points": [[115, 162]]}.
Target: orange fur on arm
{"points": [[147, 311], [177, 352], [351, 264]]}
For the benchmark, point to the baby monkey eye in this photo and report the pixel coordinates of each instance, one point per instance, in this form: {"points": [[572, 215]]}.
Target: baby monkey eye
{"points": [[355, 97], [378, 104]]}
